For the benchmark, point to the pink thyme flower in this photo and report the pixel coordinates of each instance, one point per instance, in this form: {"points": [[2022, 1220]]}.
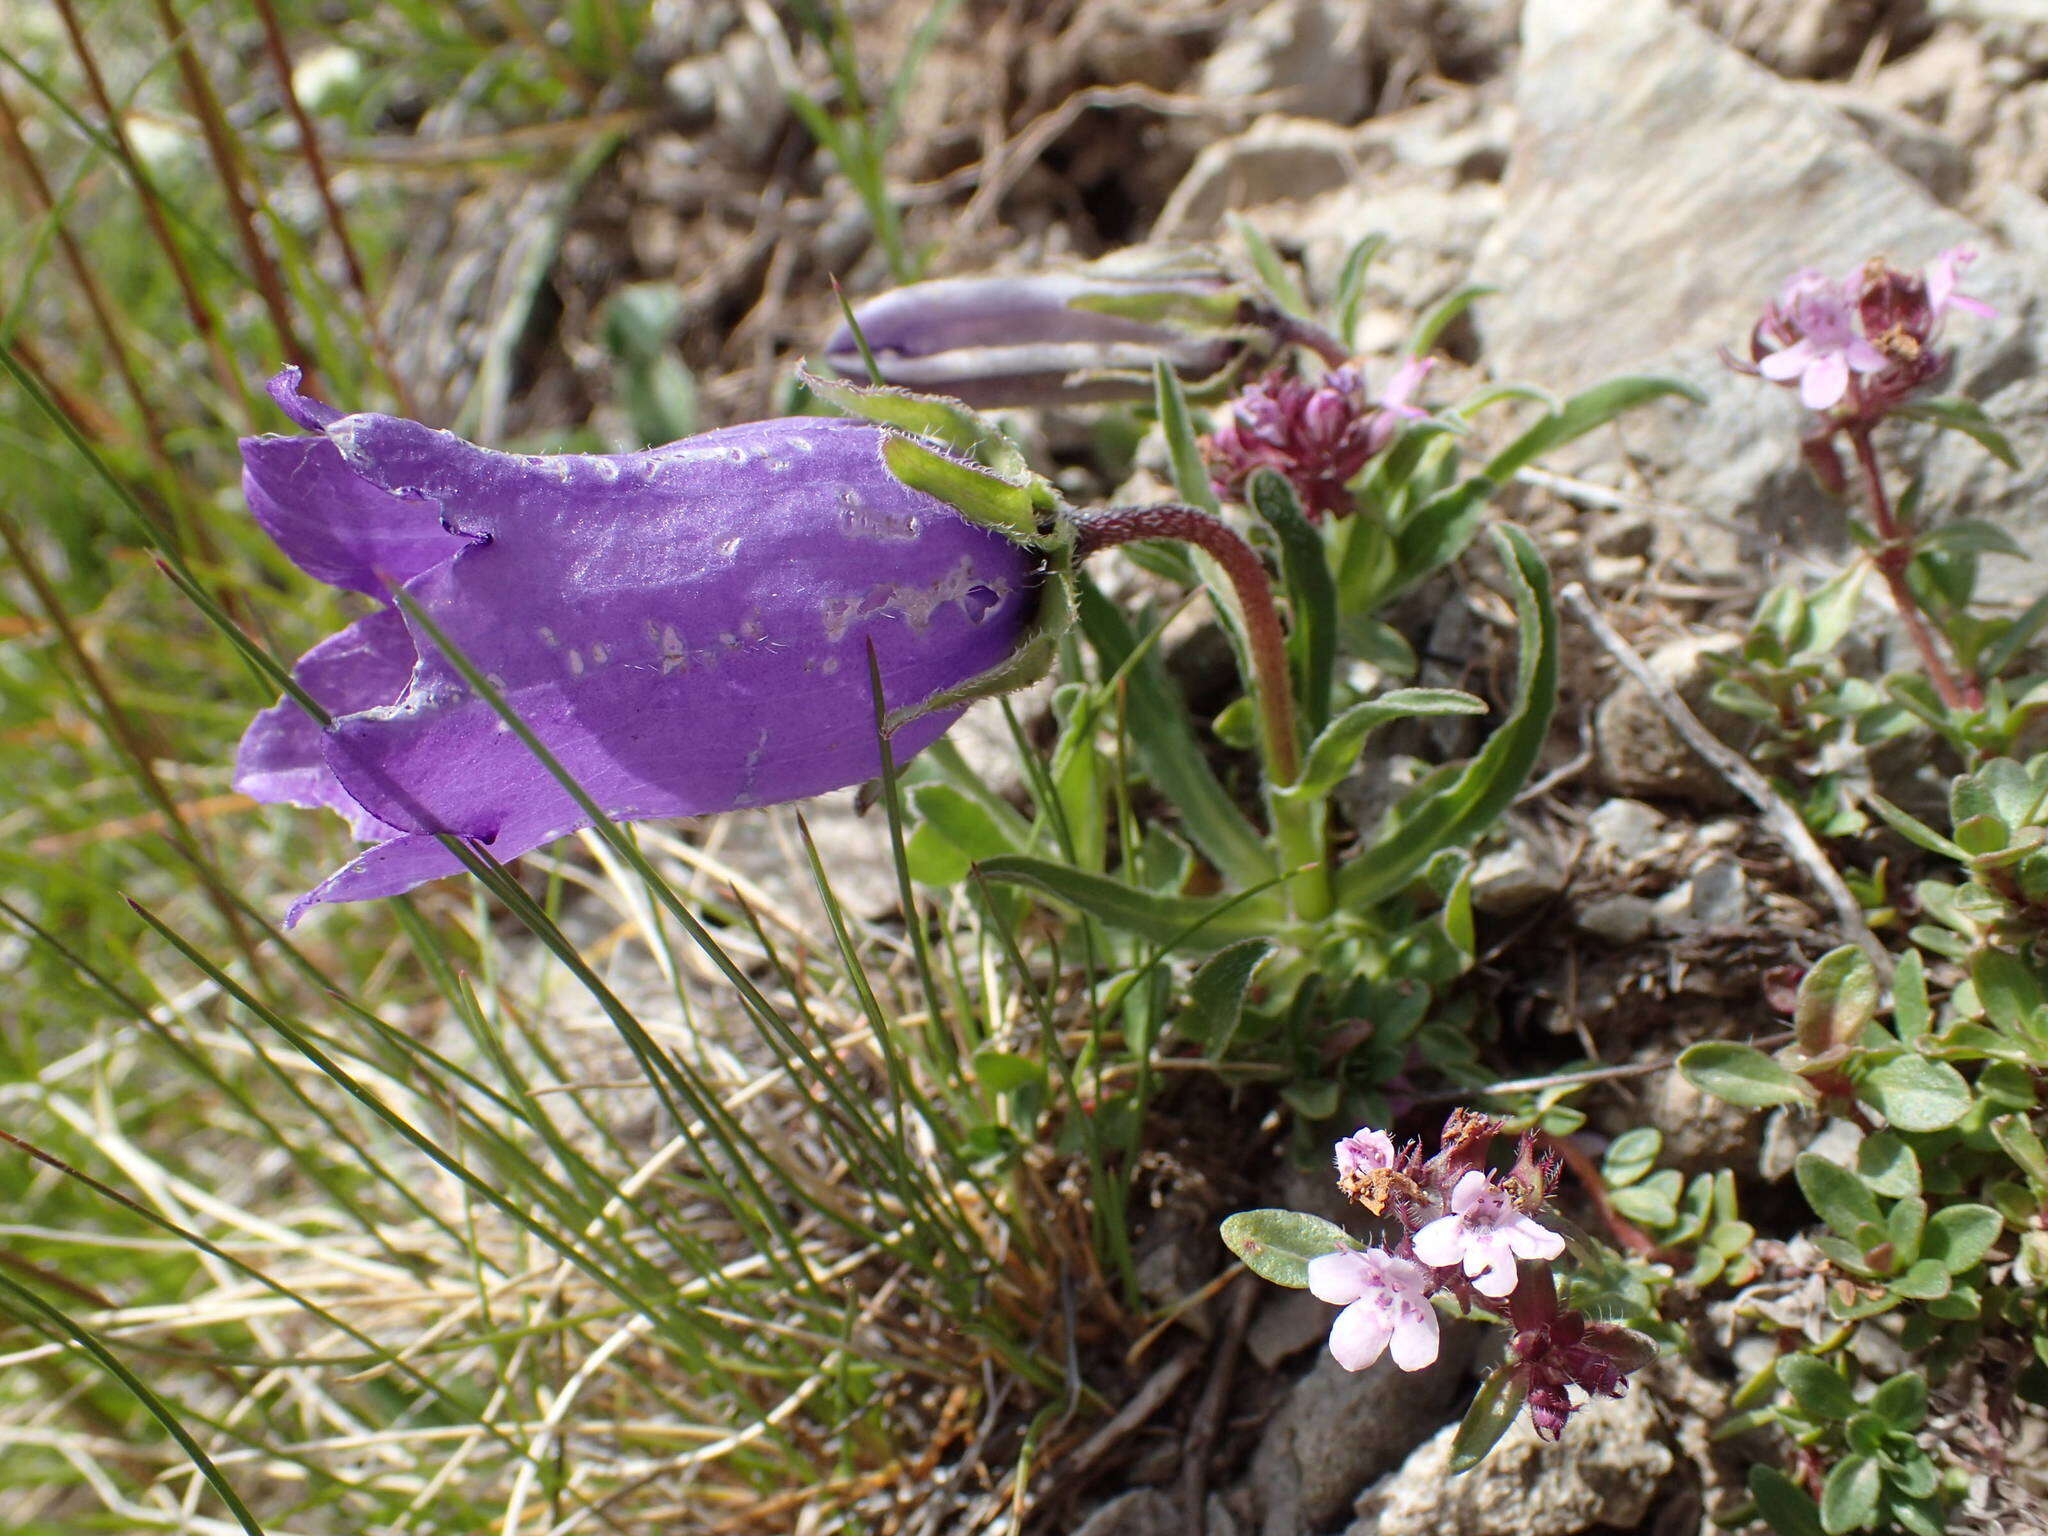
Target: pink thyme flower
{"points": [[1816, 317], [1944, 276], [1485, 1233], [1385, 1301], [1364, 1151]]}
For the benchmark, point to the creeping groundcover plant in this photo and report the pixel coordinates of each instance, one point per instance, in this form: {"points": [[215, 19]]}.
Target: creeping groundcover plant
{"points": [[1460, 1236]]}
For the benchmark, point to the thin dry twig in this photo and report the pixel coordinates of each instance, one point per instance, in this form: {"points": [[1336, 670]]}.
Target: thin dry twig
{"points": [[1146, 1401], [1778, 816], [1208, 1417], [1577, 1079]]}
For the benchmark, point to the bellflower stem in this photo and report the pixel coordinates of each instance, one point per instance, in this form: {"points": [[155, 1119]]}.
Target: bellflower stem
{"points": [[1263, 635], [1894, 554]]}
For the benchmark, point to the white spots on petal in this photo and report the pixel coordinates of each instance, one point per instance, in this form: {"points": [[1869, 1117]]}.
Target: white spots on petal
{"points": [[547, 637], [729, 548], [495, 681], [777, 466], [598, 654], [862, 521], [962, 586], [575, 663], [750, 627], [675, 656], [830, 666], [800, 444], [838, 613], [752, 768], [605, 469]]}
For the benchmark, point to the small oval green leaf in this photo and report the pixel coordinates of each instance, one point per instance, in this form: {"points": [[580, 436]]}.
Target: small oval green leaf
{"points": [[1277, 1245], [1741, 1074]]}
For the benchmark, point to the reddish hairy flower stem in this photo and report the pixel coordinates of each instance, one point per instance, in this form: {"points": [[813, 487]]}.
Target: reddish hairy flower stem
{"points": [[1267, 642], [1894, 554]]}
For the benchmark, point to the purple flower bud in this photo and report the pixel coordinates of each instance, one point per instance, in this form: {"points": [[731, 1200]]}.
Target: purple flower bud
{"points": [[1034, 339], [686, 629], [1555, 1349], [1317, 433]]}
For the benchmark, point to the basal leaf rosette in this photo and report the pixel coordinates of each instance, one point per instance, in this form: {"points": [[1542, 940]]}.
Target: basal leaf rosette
{"points": [[686, 629]]}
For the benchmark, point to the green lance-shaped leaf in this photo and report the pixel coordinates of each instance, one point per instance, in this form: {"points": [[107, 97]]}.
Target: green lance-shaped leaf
{"points": [[1438, 317], [1272, 268], [1494, 1406], [1742, 1074], [1311, 595], [1437, 532], [1956, 413], [1582, 413], [1349, 297], [1335, 752], [1467, 805], [1195, 922], [1166, 747], [1216, 995], [1277, 1245], [1190, 475]]}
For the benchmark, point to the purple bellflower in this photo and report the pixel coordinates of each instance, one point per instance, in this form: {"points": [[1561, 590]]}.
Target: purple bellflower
{"points": [[1032, 339], [686, 629]]}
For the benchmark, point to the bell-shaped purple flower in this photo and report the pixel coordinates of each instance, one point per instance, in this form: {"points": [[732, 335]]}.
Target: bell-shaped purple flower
{"points": [[686, 629], [1031, 339]]}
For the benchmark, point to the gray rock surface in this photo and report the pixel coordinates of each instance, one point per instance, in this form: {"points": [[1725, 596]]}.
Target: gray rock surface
{"points": [[1754, 176], [1640, 754], [1604, 1472], [1306, 57], [1142, 1512], [1522, 874], [1339, 1429]]}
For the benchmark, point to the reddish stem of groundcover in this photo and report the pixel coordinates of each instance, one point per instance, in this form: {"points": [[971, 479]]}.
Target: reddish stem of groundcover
{"points": [[1894, 554]]}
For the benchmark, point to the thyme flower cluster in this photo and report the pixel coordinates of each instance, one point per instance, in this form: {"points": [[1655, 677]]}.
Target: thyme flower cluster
{"points": [[1861, 347], [1470, 1236]]}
